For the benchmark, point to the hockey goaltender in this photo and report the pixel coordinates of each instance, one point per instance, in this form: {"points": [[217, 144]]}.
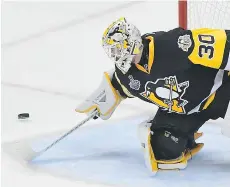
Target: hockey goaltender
{"points": [[186, 73]]}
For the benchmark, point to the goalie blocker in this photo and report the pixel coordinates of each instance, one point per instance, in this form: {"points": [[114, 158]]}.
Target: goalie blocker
{"points": [[105, 99]]}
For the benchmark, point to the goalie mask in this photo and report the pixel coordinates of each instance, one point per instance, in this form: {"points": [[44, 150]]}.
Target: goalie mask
{"points": [[122, 42]]}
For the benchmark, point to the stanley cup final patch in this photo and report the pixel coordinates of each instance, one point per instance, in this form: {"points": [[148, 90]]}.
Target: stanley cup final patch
{"points": [[134, 84], [184, 42]]}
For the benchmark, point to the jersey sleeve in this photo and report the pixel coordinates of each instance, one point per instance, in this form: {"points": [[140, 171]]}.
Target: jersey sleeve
{"points": [[119, 88], [210, 48]]}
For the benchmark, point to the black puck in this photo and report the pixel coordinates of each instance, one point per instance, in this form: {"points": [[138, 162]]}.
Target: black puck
{"points": [[23, 116]]}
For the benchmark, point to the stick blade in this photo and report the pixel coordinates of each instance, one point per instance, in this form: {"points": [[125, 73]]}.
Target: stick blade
{"points": [[20, 150]]}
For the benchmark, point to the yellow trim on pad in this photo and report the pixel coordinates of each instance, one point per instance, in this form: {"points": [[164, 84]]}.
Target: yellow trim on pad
{"points": [[117, 97], [209, 100]]}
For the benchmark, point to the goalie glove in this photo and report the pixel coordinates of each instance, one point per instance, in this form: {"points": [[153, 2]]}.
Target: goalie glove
{"points": [[105, 99]]}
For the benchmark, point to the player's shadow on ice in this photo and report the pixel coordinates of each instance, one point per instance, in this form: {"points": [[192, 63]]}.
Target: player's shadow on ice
{"points": [[128, 157], [199, 163], [203, 161]]}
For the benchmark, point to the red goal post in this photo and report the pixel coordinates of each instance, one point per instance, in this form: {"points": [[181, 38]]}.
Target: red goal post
{"points": [[204, 13], [182, 8]]}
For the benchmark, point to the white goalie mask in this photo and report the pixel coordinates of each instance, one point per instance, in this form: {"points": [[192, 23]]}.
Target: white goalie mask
{"points": [[122, 42]]}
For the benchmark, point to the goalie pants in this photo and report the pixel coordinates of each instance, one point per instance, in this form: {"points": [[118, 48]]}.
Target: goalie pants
{"points": [[173, 134]]}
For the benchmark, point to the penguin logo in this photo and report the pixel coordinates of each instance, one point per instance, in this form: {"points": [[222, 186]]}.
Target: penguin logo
{"points": [[167, 94]]}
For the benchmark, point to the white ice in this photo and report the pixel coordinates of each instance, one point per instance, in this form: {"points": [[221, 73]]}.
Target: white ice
{"points": [[49, 74], [101, 153]]}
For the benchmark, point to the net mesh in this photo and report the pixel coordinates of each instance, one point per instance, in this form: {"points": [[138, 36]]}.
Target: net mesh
{"points": [[209, 14]]}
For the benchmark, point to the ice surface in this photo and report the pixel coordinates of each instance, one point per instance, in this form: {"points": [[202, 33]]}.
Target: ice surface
{"points": [[48, 113], [109, 153]]}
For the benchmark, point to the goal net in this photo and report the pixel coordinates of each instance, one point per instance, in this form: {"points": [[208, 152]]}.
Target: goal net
{"points": [[204, 13]]}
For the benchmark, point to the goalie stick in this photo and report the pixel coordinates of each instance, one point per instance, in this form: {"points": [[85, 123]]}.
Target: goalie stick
{"points": [[23, 151], [36, 154]]}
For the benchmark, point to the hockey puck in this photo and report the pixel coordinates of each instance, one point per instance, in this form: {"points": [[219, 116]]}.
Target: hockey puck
{"points": [[23, 116]]}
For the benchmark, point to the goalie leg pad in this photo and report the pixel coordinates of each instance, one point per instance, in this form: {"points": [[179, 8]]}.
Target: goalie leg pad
{"points": [[164, 151]]}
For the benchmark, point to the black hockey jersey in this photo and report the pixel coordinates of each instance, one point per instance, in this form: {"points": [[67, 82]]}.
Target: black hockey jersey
{"points": [[180, 70]]}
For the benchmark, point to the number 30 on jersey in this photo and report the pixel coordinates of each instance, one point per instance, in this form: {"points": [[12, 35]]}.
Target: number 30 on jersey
{"points": [[209, 45]]}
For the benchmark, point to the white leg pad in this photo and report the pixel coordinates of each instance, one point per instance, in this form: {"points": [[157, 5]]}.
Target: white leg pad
{"points": [[143, 135], [151, 163], [143, 131]]}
